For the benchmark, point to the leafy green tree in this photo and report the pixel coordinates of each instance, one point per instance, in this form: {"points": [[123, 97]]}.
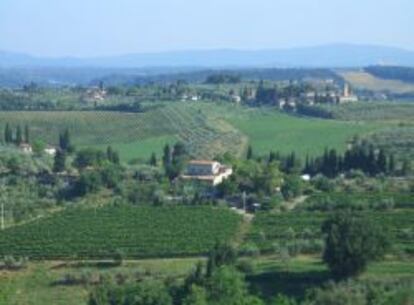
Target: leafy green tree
{"points": [[292, 187], [143, 293], [111, 175], [13, 165], [59, 163], [220, 255], [351, 242], [283, 300], [88, 157], [89, 182], [227, 286], [38, 146], [196, 296]]}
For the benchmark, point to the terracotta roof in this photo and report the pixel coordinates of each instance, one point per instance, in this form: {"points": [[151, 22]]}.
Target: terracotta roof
{"points": [[203, 162]]}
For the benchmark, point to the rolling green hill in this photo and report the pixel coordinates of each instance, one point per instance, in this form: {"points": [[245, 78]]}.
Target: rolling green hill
{"points": [[207, 129]]}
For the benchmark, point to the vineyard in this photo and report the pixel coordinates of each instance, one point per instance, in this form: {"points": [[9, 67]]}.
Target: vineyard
{"points": [[205, 135], [358, 201], [370, 111], [138, 232], [270, 230]]}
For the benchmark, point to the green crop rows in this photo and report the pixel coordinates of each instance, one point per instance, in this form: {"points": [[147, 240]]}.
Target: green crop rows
{"points": [[270, 229], [138, 232]]}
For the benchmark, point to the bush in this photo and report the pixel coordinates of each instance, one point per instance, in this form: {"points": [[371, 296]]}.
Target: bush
{"points": [[249, 249]]}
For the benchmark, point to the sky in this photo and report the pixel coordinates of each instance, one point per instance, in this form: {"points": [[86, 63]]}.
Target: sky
{"points": [[91, 28]]}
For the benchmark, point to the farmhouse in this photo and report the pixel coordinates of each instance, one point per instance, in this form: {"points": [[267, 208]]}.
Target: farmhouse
{"points": [[26, 148], [211, 172], [51, 151]]}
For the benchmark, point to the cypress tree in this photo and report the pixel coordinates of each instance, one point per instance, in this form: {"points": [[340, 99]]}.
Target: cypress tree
{"points": [[109, 153], [372, 163], [249, 154], [19, 135], [65, 141], [26, 134], [153, 160], [391, 164], [382, 162], [8, 134], [166, 159], [59, 164]]}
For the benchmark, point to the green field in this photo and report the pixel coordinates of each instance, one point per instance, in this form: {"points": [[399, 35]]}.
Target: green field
{"points": [[138, 232], [271, 130]]}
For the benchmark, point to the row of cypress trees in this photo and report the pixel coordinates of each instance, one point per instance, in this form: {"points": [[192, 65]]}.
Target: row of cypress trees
{"points": [[368, 160], [17, 136]]}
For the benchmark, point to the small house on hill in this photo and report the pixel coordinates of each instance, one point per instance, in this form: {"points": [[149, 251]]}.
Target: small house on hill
{"points": [[210, 172], [26, 148]]}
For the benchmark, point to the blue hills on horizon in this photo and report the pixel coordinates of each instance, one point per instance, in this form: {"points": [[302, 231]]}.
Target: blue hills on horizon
{"points": [[326, 56]]}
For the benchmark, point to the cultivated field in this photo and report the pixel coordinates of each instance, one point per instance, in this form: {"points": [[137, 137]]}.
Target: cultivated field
{"points": [[364, 80], [138, 232]]}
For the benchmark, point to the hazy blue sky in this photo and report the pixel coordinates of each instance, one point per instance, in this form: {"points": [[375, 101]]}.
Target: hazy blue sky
{"points": [[103, 27]]}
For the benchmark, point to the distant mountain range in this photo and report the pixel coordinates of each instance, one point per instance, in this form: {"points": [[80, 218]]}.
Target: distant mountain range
{"points": [[337, 55]]}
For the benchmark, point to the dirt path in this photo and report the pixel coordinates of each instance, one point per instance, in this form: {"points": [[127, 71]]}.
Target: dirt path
{"points": [[297, 201], [244, 227]]}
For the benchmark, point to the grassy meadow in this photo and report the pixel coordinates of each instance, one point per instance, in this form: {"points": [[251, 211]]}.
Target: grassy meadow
{"points": [[42, 282]]}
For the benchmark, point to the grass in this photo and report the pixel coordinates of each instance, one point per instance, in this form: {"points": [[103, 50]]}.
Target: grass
{"points": [[294, 277], [141, 149], [272, 130], [34, 286]]}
